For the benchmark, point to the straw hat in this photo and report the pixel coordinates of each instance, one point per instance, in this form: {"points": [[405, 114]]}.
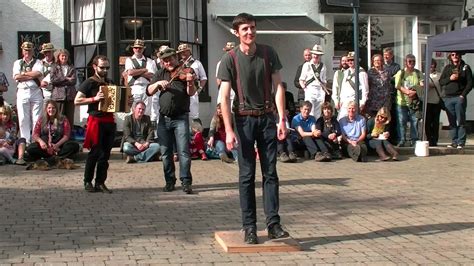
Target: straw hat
{"points": [[350, 55], [47, 47], [317, 49], [27, 46], [183, 47], [167, 53], [139, 44]]}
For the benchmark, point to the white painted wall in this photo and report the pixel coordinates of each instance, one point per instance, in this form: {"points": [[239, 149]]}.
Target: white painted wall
{"points": [[26, 15], [288, 46]]}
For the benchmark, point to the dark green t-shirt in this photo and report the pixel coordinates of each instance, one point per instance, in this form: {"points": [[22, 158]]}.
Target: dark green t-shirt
{"points": [[252, 75]]}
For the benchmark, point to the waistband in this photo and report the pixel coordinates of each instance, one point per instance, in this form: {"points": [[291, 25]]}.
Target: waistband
{"points": [[254, 112]]}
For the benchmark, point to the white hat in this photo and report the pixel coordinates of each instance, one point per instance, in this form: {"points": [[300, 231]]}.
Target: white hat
{"points": [[317, 49]]}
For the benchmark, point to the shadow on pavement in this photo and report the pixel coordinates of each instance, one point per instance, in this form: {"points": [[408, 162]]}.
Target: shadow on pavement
{"points": [[416, 230]]}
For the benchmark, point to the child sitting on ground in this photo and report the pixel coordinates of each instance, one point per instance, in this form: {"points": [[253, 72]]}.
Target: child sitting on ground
{"points": [[196, 146], [6, 146]]}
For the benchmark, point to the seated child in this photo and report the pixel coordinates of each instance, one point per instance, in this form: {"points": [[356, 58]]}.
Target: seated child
{"points": [[7, 148], [196, 146]]}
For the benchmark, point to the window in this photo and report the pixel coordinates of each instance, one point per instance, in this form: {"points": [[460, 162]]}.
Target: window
{"points": [[87, 33], [143, 19]]}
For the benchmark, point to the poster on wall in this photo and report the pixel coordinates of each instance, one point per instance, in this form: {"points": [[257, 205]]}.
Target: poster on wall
{"points": [[36, 37]]}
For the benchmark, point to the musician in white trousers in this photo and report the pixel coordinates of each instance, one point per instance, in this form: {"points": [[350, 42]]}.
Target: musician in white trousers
{"points": [[184, 51], [313, 80], [29, 97], [140, 71]]}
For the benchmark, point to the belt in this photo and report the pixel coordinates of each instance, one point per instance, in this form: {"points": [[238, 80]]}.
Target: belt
{"points": [[254, 112]]}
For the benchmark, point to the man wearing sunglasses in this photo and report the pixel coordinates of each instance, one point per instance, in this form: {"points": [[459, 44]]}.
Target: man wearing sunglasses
{"points": [[456, 83], [140, 71], [100, 132]]}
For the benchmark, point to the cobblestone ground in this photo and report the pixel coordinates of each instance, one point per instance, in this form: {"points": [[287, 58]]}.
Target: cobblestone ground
{"points": [[418, 211]]}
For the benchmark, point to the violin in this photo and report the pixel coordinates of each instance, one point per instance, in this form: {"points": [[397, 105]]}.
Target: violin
{"points": [[181, 72]]}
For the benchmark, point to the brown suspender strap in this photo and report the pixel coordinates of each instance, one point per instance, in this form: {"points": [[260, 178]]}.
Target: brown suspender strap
{"points": [[268, 83], [240, 93]]}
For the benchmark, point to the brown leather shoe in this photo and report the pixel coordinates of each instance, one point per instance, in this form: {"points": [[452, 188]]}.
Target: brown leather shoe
{"points": [[103, 188]]}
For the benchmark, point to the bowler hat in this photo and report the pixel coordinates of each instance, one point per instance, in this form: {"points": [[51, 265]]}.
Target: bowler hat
{"points": [[47, 47], [27, 46]]}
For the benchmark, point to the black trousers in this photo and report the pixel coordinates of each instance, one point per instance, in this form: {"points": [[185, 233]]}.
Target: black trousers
{"points": [[432, 123], [67, 150], [99, 154], [314, 145]]}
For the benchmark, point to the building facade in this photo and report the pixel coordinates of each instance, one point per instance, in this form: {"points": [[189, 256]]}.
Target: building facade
{"points": [[90, 27]]}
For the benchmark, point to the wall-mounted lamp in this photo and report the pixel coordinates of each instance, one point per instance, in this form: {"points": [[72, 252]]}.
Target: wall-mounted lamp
{"points": [[132, 23]]}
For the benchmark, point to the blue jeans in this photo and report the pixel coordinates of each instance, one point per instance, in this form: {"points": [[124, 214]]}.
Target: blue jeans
{"points": [[221, 148], [262, 130], [405, 115], [141, 156], [173, 130], [456, 111]]}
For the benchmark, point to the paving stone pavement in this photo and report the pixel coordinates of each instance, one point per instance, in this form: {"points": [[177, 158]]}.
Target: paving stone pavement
{"points": [[417, 211]]}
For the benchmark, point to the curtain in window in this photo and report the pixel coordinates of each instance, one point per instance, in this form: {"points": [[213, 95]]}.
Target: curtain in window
{"points": [[87, 32]]}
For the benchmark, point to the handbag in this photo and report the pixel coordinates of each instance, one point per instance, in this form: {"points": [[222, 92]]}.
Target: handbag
{"points": [[441, 102]]}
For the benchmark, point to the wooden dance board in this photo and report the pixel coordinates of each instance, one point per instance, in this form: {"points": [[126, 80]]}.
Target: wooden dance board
{"points": [[233, 242]]}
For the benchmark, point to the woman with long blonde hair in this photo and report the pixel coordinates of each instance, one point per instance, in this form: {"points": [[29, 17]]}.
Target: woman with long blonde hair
{"points": [[51, 135], [378, 135]]}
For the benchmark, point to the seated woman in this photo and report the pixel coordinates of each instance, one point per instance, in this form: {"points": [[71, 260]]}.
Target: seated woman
{"points": [[51, 135], [217, 137], [330, 130], [378, 135], [354, 132], [11, 127]]}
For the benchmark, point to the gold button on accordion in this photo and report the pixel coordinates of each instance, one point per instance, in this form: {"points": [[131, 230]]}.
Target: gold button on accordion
{"points": [[116, 99]]}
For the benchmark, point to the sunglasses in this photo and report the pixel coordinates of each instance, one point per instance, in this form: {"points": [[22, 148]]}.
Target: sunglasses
{"points": [[411, 61], [105, 67]]}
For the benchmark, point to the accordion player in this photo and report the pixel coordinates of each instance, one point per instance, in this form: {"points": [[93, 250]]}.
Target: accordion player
{"points": [[116, 99]]}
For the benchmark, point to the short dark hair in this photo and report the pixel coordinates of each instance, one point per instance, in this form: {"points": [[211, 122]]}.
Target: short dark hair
{"points": [[306, 103], [96, 59], [243, 18], [135, 104]]}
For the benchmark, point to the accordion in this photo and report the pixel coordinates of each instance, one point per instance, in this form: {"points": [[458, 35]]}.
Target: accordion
{"points": [[116, 99]]}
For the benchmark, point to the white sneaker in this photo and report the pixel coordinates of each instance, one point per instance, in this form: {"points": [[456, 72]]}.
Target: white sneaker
{"points": [[452, 145], [459, 147]]}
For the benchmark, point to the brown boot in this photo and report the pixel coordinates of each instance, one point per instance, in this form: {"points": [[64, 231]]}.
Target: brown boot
{"points": [[381, 153], [393, 152]]}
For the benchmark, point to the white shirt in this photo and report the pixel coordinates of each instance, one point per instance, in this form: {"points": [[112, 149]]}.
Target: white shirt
{"points": [[150, 66], [307, 73], [29, 84], [347, 92]]}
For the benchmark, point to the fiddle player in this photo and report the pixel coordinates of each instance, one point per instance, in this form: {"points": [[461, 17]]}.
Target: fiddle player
{"points": [[175, 85], [100, 132]]}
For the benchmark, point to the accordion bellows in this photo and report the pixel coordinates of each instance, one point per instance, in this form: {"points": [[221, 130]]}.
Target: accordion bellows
{"points": [[116, 99]]}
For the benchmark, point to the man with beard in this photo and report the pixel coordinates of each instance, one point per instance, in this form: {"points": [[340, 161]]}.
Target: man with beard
{"points": [[47, 49], [175, 84], [337, 82], [457, 81], [100, 132]]}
